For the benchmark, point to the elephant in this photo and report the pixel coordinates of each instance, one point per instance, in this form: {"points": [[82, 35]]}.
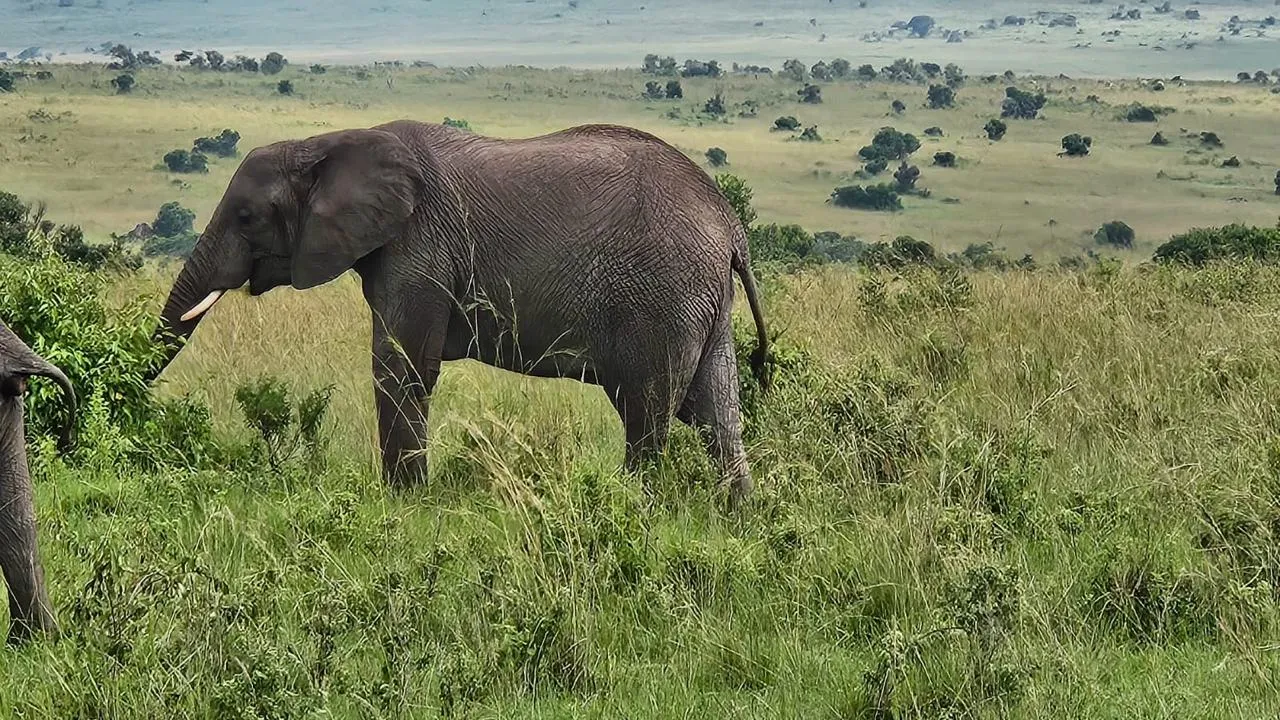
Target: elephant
{"points": [[29, 609], [599, 253]]}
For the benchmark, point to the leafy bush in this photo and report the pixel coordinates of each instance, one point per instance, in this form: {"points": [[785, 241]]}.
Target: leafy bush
{"points": [[285, 87], [245, 64], [1076, 145], [941, 96], [674, 91], [898, 107], [1115, 234], [954, 75], [173, 219], [456, 123], [318, 69], [26, 234], [697, 68], [6, 81], [920, 25], [1021, 105], [286, 427], [841, 68], [1138, 112], [786, 122], [123, 83], [904, 250], [173, 232], [779, 243], [821, 71], [890, 145], [654, 65], [714, 105], [875, 167], [872, 197], [1210, 139], [1159, 139], [906, 176], [867, 72], [738, 193], [186, 161], [944, 159], [1199, 246], [653, 90], [810, 94], [224, 145], [58, 309], [273, 63], [933, 131], [810, 134], [995, 129], [717, 157], [794, 70]]}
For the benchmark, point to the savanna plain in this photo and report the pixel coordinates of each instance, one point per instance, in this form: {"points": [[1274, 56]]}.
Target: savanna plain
{"points": [[985, 487]]}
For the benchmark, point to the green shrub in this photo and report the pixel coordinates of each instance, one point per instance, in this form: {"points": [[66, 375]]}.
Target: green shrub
{"points": [[1210, 139], [186, 161], [944, 159], [872, 197], [26, 234], [6, 81], [898, 107], [123, 83], [793, 69], [1138, 112], [173, 219], [1021, 105], [318, 69], [1076, 145], [1199, 246], [174, 234], [717, 157], [875, 167], [904, 250], [1159, 139], [810, 134], [224, 145], [905, 177], [285, 87], [738, 193], [653, 90], [714, 105], [674, 91], [811, 94], [459, 124], [273, 63], [995, 129], [941, 96], [779, 243], [786, 122], [890, 145], [1115, 234], [285, 426]]}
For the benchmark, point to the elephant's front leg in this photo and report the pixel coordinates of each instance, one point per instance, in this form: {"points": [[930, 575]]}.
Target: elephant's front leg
{"points": [[405, 368]]}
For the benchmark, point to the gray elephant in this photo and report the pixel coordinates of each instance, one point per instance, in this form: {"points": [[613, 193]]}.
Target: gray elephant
{"points": [[29, 609], [599, 252]]}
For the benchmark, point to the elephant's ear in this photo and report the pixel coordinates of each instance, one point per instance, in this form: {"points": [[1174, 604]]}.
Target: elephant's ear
{"points": [[363, 186]]}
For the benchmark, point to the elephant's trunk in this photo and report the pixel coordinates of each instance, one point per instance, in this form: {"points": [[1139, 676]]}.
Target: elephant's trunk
{"points": [[29, 608], [67, 437], [191, 292]]}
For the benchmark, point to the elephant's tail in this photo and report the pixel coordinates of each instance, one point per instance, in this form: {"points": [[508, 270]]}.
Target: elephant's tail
{"points": [[759, 358]]}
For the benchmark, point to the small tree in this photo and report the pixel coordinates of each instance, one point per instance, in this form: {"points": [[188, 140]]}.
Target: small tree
{"points": [[875, 167], [941, 96], [183, 161], [285, 87], [906, 177], [794, 70], [944, 159], [6, 81], [995, 129], [1021, 105], [889, 144], [1115, 234], [738, 193], [899, 107], [1210, 139], [820, 71], [954, 75], [717, 157], [933, 131], [1159, 139], [714, 105], [674, 91], [867, 72], [653, 90], [786, 122], [173, 219], [123, 83], [1076, 145], [810, 134], [840, 68], [224, 145], [1138, 112], [920, 25], [810, 94], [318, 69], [273, 63]]}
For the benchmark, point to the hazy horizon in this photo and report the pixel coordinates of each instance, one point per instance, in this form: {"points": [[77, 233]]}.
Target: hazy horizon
{"points": [[607, 33]]}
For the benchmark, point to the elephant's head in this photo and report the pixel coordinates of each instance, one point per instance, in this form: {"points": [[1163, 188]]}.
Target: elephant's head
{"points": [[29, 609], [299, 213]]}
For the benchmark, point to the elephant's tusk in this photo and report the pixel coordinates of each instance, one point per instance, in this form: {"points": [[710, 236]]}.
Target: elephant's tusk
{"points": [[204, 305]]}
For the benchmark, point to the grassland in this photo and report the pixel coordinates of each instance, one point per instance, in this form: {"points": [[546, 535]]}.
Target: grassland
{"points": [[1023, 494]]}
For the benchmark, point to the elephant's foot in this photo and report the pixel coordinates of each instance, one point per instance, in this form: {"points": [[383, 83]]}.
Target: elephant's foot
{"points": [[409, 472]]}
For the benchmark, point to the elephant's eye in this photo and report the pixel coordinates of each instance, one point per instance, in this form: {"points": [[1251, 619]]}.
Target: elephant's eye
{"points": [[245, 216]]}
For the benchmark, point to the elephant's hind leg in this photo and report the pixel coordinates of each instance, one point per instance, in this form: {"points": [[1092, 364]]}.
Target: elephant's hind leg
{"points": [[647, 422], [711, 408]]}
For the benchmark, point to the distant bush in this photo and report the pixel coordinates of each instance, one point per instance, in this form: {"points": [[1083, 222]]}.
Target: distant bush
{"points": [[285, 87], [794, 70], [906, 176], [820, 71], [1278, 182], [995, 129], [1159, 139], [653, 90], [456, 123], [1210, 139], [871, 197], [224, 145], [318, 69], [186, 161], [738, 194], [934, 131], [920, 25], [697, 68], [1138, 112], [173, 219], [6, 81], [1076, 145], [944, 159], [1199, 246], [714, 105], [866, 72], [904, 250], [786, 122], [674, 91], [1021, 105], [172, 232], [810, 134], [954, 76], [890, 145], [273, 63], [774, 243], [125, 59], [1115, 233], [654, 65], [123, 83], [717, 157], [898, 107], [244, 64], [810, 94], [840, 68], [27, 234], [875, 167], [941, 96], [1231, 162]]}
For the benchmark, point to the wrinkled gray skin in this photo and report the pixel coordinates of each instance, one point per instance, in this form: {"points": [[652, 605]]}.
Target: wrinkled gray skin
{"points": [[29, 609], [599, 253]]}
